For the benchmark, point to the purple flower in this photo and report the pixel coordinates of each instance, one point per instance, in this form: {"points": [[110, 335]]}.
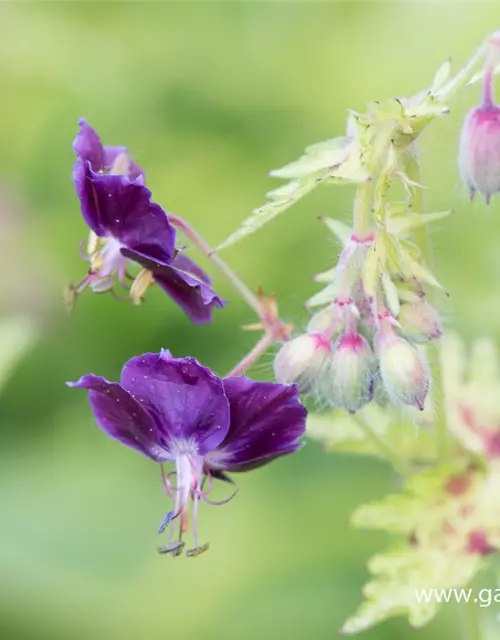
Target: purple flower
{"points": [[127, 227], [176, 410], [107, 160]]}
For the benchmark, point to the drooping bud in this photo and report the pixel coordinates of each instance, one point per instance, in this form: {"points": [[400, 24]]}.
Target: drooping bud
{"points": [[479, 159], [420, 322], [403, 369], [350, 379], [303, 361], [328, 321]]}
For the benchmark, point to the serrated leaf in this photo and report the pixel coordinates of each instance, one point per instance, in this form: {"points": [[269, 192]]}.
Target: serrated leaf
{"points": [[403, 571], [437, 523], [281, 199], [339, 229], [321, 155]]}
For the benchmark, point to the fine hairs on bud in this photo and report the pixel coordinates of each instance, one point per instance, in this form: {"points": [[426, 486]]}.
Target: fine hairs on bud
{"points": [[349, 380], [419, 321], [302, 360], [479, 157], [403, 369]]}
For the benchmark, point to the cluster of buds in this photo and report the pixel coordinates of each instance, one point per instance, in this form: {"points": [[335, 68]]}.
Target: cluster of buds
{"points": [[354, 350]]}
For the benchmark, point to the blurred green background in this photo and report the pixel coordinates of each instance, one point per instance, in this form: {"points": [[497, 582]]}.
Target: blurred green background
{"points": [[209, 97]]}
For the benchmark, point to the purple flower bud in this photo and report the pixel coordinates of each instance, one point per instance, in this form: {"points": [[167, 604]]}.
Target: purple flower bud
{"points": [[403, 369], [350, 379], [479, 159], [302, 360], [420, 322]]}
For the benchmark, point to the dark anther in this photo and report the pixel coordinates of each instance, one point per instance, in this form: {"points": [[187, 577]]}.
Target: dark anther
{"points": [[192, 553], [175, 548]]}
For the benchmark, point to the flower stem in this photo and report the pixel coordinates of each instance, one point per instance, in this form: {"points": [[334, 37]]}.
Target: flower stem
{"points": [[362, 222], [250, 298], [386, 452], [252, 356], [422, 239]]}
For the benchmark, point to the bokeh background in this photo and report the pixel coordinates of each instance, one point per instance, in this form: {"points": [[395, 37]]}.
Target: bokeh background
{"points": [[209, 96]]}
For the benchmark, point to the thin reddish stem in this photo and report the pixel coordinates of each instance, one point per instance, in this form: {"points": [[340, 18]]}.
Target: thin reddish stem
{"points": [[250, 298], [252, 356]]}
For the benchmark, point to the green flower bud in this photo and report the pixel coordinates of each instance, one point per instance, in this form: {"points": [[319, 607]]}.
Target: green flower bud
{"points": [[420, 322], [303, 360], [403, 369], [349, 381]]}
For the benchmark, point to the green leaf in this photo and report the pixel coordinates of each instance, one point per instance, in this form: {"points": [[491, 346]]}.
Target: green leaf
{"points": [[335, 162], [325, 296], [403, 572], [317, 157], [471, 389], [326, 276], [339, 229], [280, 200], [431, 527], [441, 76], [391, 294], [399, 225], [412, 264], [340, 431]]}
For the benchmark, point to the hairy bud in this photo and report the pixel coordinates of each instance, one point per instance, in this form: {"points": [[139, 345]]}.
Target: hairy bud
{"points": [[302, 360], [479, 159], [420, 322], [349, 380], [328, 321], [403, 370]]}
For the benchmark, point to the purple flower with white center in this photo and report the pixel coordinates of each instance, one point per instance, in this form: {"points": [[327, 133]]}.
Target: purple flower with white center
{"points": [[176, 410], [128, 228]]}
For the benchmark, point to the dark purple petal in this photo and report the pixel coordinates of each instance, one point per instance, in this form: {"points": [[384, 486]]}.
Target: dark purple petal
{"points": [[82, 177], [122, 417], [88, 147], [185, 399], [267, 420], [114, 206], [110, 155], [186, 283]]}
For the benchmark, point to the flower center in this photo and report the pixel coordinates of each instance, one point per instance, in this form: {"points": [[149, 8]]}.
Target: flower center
{"points": [[190, 477]]}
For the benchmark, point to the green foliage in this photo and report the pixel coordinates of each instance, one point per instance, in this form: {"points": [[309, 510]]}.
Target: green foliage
{"points": [[390, 124], [431, 523]]}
